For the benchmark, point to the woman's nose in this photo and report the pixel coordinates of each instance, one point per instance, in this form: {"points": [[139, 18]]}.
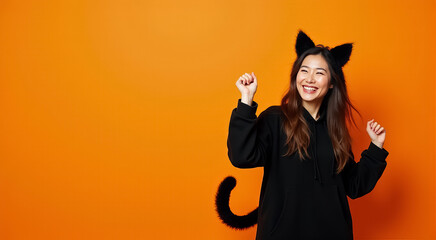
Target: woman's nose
{"points": [[310, 78]]}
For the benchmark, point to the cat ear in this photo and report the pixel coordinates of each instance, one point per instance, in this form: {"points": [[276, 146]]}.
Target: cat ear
{"points": [[303, 43], [342, 53]]}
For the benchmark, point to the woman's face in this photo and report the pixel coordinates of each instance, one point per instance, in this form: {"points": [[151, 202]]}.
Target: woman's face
{"points": [[313, 79]]}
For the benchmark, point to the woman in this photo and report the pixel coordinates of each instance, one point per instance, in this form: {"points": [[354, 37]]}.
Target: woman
{"points": [[305, 149]]}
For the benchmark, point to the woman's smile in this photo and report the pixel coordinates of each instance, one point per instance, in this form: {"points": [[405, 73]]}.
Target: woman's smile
{"points": [[309, 89]]}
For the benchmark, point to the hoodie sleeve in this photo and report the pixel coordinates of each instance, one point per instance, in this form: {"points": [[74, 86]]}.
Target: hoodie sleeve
{"points": [[249, 137], [360, 178]]}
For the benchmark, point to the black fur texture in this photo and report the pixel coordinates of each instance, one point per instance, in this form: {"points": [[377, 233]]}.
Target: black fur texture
{"points": [[342, 53], [303, 43], [223, 208]]}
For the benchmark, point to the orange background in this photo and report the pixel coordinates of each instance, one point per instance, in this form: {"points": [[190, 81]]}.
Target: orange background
{"points": [[114, 114]]}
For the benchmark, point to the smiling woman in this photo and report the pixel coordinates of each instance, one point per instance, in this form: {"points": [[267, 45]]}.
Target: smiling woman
{"points": [[305, 149]]}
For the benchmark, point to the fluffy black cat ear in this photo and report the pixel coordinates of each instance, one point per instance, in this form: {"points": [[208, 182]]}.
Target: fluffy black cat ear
{"points": [[303, 43], [342, 53]]}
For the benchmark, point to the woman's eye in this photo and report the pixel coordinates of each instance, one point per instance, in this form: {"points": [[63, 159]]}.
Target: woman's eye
{"points": [[320, 73], [303, 70]]}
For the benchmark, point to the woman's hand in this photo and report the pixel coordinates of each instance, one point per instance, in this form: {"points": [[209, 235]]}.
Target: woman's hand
{"points": [[376, 132], [247, 85]]}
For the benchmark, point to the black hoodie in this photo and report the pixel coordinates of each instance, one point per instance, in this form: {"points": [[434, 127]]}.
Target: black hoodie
{"points": [[300, 199]]}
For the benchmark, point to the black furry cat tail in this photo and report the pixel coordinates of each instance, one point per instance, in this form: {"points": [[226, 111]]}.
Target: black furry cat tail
{"points": [[223, 208]]}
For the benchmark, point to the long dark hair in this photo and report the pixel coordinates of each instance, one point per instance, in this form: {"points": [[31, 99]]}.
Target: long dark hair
{"points": [[338, 112]]}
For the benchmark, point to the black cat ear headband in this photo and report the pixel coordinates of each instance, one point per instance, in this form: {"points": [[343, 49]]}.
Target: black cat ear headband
{"points": [[340, 53]]}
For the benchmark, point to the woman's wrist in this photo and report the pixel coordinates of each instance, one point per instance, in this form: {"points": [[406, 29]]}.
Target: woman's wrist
{"points": [[247, 99], [378, 144]]}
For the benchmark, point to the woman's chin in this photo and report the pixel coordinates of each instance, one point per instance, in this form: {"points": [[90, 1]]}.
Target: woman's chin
{"points": [[311, 100]]}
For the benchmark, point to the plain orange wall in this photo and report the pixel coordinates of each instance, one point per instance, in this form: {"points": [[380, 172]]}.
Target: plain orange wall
{"points": [[114, 114]]}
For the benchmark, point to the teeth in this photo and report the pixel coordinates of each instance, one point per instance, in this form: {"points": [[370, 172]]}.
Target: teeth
{"points": [[309, 88]]}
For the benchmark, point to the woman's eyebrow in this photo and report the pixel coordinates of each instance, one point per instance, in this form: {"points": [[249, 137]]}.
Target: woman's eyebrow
{"points": [[316, 68]]}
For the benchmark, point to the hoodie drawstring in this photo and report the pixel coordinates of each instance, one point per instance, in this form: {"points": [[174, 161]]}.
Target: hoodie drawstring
{"points": [[313, 125], [317, 175]]}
